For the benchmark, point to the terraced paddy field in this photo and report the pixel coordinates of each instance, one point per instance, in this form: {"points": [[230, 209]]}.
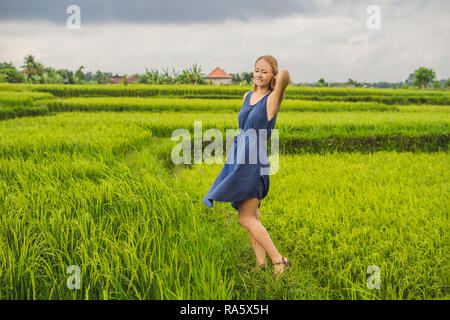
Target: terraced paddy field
{"points": [[87, 180]]}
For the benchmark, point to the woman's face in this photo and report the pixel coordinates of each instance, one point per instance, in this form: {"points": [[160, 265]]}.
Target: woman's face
{"points": [[263, 73]]}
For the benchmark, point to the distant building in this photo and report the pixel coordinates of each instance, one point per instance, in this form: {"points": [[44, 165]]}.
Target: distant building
{"points": [[119, 80], [218, 76]]}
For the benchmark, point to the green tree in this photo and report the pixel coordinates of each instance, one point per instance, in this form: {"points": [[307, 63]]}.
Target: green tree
{"points": [[446, 83], [156, 77], [235, 77], [196, 74], [423, 77], [167, 78], [124, 80], [9, 73], [243, 78], [191, 76], [436, 84], [67, 76], [51, 76], [98, 77], [151, 77], [32, 69], [89, 77], [351, 81], [247, 77], [322, 83], [101, 77], [79, 75]]}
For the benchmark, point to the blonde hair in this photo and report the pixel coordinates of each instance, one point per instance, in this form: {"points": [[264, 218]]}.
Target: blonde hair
{"points": [[274, 65]]}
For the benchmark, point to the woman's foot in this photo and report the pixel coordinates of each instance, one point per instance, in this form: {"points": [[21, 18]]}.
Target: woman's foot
{"points": [[280, 267], [261, 264]]}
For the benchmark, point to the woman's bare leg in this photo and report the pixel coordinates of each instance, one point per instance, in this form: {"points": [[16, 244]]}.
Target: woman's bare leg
{"points": [[247, 218], [260, 253]]}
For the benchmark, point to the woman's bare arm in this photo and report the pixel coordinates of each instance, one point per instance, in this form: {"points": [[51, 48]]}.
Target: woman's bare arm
{"points": [[282, 80]]}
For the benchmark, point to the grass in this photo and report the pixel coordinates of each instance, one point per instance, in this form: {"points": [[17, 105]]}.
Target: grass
{"points": [[98, 190]]}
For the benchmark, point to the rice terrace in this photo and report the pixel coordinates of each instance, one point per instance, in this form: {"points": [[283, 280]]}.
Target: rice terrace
{"points": [[87, 182]]}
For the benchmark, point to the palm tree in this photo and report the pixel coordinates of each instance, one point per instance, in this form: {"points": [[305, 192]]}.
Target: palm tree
{"points": [[79, 75], [191, 75], [197, 76], [32, 68], [167, 77], [185, 77]]}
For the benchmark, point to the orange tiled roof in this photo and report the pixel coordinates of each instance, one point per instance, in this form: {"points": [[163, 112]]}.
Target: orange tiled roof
{"points": [[218, 73]]}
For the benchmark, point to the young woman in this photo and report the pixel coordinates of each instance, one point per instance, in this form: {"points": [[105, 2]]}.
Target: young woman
{"points": [[243, 184]]}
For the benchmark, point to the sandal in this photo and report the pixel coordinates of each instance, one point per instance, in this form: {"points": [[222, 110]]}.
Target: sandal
{"points": [[284, 261]]}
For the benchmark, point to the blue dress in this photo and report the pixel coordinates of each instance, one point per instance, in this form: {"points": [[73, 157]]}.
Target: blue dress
{"points": [[245, 173]]}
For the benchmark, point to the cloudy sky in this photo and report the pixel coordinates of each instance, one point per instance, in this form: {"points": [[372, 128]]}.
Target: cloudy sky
{"points": [[309, 38]]}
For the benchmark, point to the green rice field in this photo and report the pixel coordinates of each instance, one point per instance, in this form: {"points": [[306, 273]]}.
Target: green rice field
{"points": [[87, 180]]}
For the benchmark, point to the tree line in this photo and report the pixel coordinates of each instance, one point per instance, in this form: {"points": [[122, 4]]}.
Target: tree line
{"points": [[34, 71]]}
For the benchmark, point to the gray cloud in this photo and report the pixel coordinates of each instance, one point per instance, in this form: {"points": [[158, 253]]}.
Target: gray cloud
{"points": [[154, 11], [200, 11], [328, 39]]}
